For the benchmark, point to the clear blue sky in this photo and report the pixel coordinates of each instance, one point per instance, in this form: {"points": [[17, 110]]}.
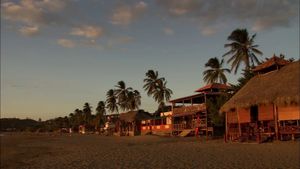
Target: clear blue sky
{"points": [[58, 54]]}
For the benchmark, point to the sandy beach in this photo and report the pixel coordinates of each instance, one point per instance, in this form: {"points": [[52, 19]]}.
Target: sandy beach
{"points": [[93, 151]]}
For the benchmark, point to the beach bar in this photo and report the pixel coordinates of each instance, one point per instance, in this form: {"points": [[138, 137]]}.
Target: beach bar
{"points": [[267, 107], [161, 125], [191, 114], [130, 123]]}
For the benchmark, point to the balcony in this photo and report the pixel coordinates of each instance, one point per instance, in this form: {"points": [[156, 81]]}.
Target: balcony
{"points": [[189, 110]]}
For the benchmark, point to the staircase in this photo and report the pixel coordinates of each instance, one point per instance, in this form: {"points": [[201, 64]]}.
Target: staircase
{"points": [[186, 132]]}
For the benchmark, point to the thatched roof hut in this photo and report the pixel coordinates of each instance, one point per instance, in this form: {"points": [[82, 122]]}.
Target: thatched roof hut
{"points": [[132, 116], [273, 63], [280, 87]]}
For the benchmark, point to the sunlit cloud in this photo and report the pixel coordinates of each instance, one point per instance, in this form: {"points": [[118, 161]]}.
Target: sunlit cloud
{"points": [[179, 8], [67, 43], [29, 30], [261, 15], [124, 14], [32, 12], [88, 31]]}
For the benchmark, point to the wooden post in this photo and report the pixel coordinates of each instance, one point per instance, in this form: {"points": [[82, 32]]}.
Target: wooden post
{"points": [[206, 117], [172, 118], [226, 127], [239, 124], [275, 112]]}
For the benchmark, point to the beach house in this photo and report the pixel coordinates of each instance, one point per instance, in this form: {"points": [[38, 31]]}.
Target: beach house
{"points": [[158, 125], [267, 106], [130, 123], [191, 115]]}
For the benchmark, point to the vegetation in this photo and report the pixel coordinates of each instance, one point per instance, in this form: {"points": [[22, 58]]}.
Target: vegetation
{"points": [[242, 49], [15, 124], [214, 104], [157, 88], [216, 74], [100, 114], [128, 99], [111, 101], [247, 74], [87, 113]]}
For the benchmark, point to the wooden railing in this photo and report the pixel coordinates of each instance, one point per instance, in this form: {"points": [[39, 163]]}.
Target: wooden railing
{"points": [[289, 129], [183, 126], [189, 109], [179, 126]]}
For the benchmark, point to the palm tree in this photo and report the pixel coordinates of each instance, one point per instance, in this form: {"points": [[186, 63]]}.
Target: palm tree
{"points": [[162, 94], [79, 118], [111, 101], [156, 87], [87, 112], [133, 100], [100, 109], [72, 120], [100, 112], [122, 94], [242, 49], [216, 73], [151, 81]]}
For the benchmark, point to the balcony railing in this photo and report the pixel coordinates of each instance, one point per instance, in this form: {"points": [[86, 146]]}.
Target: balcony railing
{"points": [[188, 110]]}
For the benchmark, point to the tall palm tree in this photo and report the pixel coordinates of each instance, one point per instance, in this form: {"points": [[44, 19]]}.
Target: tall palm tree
{"points": [[100, 109], [87, 111], [242, 49], [216, 74], [162, 94], [151, 81], [100, 113], [72, 119], [156, 87], [122, 94], [133, 100], [111, 101], [79, 117]]}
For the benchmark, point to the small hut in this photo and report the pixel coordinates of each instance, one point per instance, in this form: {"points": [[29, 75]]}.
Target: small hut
{"points": [[268, 105], [130, 122]]}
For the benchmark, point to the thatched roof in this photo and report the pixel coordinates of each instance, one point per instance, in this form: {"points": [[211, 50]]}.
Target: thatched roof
{"points": [[213, 86], [280, 87], [134, 116], [274, 61]]}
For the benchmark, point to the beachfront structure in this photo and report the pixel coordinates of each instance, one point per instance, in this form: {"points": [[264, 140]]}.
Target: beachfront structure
{"points": [[161, 125], [130, 123], [111, 124], [268, 105], [190, 114]]}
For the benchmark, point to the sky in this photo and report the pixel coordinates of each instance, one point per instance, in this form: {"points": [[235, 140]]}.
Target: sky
{"points": [[58, 54]]}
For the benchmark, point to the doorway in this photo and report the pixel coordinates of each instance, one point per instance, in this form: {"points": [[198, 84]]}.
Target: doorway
{"points": [[254, 114]]}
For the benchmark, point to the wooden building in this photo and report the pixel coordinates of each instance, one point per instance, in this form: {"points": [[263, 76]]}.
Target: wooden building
{"points": [[267, 106], [161, 125], [130, 123], [190, 114]]}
